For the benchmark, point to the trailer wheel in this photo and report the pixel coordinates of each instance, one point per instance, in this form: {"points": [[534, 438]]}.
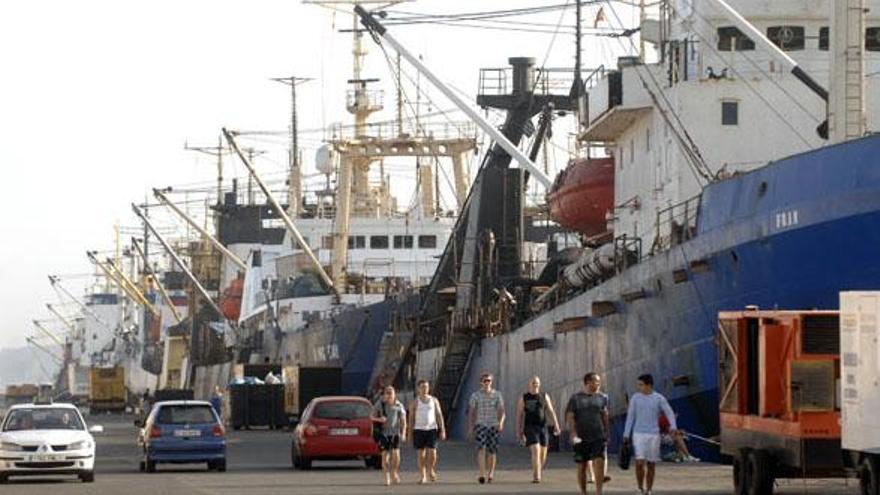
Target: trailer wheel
{"points": [[739, 472], [759, 473], [868, 476]]}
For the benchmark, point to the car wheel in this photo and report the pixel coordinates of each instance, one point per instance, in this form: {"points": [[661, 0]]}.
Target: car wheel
{"points": [[218, 465], [88, 477], [374, 462], [305, 463], [150, 465]]}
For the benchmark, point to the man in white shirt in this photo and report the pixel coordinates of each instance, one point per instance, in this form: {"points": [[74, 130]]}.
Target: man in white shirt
{"points": [[427, 427]]}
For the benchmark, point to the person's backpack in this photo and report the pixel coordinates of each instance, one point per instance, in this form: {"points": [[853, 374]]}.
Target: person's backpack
{"points": [[379, 427], [625, 455]]}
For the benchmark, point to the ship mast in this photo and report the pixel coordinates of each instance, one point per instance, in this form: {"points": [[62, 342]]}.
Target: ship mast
{"points": [[365, 145], [294, 195]]}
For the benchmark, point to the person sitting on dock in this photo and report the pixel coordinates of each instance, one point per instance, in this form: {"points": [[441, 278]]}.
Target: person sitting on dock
{"points": [[486, 416], [643, 429]]}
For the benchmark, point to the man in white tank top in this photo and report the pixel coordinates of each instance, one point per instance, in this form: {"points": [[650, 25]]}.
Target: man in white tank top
{"points": [[427, 427]]}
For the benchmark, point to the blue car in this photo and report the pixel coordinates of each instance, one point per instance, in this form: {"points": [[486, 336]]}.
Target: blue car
{"points": [[183, 432]]}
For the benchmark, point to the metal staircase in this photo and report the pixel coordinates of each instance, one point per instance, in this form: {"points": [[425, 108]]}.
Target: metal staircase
{"points": [[453, 371]]}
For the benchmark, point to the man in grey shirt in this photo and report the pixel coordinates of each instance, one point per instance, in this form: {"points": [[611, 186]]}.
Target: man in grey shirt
{"points": [[391, 415], [588, 421]]}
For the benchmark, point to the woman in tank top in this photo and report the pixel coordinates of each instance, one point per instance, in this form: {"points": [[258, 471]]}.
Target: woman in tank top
{"points": [[532, 412], [427, 428]]}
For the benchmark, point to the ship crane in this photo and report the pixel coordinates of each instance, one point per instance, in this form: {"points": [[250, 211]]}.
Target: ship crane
{"points": [[49, 334], [123, 282], [67, 323], [379, 31], [178, 260], [56, 283], [757, 35], [162, 291], [54, 355], [160, 195], [300, 241]]}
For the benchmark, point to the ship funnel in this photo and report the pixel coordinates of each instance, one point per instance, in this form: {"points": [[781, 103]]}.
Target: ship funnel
{"points": [[523, 74]]}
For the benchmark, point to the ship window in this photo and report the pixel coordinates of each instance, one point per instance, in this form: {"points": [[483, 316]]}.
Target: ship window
{"points": [[427, 241], [788, 38], [403, 242], [729, 113], [327, 242], [872, 39], [823, 38], [378, 242], [357, 242], [732, 39]]}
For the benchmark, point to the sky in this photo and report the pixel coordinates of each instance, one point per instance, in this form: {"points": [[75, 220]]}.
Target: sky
{"points": [[98, 98]]}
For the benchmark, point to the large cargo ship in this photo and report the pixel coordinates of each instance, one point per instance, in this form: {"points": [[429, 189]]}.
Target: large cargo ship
{"points": [[726, 195]]}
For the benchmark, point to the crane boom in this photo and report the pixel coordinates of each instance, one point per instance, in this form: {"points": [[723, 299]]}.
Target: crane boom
{"points": [[45, 349], [162, 291], [378, 30], [177, 259], [280, 211], [201, 230], [49, 334], [56, 283]]}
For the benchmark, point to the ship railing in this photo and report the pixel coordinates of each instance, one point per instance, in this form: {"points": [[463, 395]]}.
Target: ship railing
{"points": [[627, 252], [445, 130], [364, 99], [496, 81], [676, 224]]}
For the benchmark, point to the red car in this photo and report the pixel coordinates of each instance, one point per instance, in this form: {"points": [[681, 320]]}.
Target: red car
{"points": [[333, 429]]}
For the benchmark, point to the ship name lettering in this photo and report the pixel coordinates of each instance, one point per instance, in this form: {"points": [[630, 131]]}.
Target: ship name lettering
{"points": [[786, 219]]}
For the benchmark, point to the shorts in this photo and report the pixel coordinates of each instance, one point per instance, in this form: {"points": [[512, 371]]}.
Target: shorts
{"points": [[535, 434], [487, 438], [388, 442], [587, 450], [646, 447], [425, 439]]}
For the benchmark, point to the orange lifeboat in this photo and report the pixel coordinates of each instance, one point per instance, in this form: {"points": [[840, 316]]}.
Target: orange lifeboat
{"points": [[230, 303], [583, 194]]}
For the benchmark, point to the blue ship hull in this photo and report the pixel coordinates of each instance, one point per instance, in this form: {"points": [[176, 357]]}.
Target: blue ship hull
{"points": [[790, 235]]}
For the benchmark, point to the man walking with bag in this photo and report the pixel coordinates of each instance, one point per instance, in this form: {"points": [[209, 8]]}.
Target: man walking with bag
{"points": [[643, 430]]}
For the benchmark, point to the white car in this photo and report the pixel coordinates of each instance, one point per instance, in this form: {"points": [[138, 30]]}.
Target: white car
{"points": [[43, 439]]}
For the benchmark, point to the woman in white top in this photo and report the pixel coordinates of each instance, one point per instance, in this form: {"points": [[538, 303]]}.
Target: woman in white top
{"points": [[427, 427]]}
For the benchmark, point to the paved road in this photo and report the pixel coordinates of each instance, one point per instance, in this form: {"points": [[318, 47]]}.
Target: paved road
{"points": [[259, 465]]}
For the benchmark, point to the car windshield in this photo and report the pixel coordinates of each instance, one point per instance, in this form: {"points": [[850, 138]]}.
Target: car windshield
{"points": [[55, 418], [181, 415], [342, 410]]}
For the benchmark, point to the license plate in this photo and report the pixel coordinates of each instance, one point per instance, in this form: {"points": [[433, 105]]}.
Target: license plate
{"points": [[44, 458], [187, 433], [344, 431]]}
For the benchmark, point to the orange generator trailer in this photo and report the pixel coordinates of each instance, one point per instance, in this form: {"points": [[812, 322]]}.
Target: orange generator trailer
{"points": [[780, 407]]}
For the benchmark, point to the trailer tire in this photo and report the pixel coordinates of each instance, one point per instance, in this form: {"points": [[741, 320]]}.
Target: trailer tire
{"points": [[739, 472], [759, 473], [869, 481]]}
